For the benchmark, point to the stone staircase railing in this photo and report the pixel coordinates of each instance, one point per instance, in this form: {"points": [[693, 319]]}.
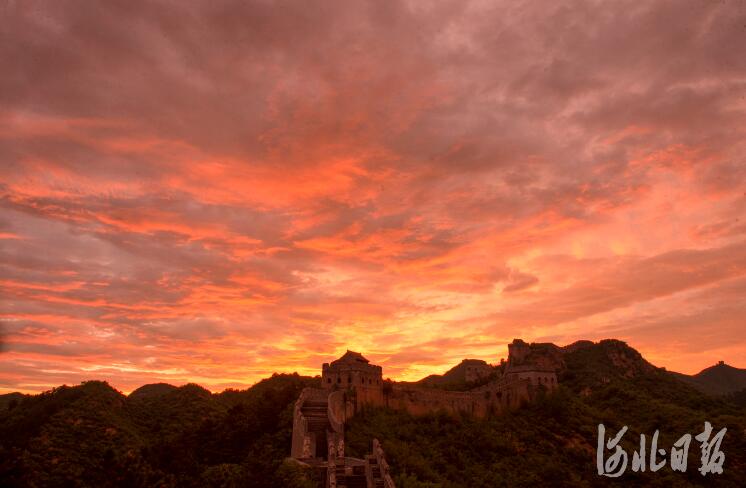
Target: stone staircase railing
{"points": [[383, 466]]}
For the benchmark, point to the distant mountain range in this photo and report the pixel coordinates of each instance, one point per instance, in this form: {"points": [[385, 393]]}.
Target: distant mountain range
{"points": [[720, 379], [167, 436]]}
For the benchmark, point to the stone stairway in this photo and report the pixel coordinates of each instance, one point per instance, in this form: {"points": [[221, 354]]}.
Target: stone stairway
{"points": [[356, 479], [375, 471], [315, 412], [318, 442]]}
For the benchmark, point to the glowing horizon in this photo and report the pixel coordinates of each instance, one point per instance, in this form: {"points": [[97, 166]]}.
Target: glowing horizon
{"points": [[214, 192]]}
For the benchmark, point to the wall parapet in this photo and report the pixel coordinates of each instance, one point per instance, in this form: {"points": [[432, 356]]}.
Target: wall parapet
{"points": [[337, 410], [388, 482], [352, 383]]}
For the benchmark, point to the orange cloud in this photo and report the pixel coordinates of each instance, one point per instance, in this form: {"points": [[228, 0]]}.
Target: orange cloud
{"points": [[244, 190]]}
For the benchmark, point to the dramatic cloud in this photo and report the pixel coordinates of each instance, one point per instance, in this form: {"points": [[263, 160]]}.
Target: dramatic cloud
{"points": [[215, 191]]}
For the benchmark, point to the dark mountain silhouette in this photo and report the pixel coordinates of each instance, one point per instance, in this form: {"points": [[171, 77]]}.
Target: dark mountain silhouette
{"points": [[462, 376], [552, 442], [8, 399], [167, 436], [152, 390], [720, 379], [93, 435]]}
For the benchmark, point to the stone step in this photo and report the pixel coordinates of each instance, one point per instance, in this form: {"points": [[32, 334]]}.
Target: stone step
{"points": [[353, 481], [317, 425], [314, 411], [315, 403]]}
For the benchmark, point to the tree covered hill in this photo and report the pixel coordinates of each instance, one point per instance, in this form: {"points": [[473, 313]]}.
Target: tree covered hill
{"points": [[456, 377], [9, 400], [92, 435], [720, 379], [164, 436], [151, 390], [553, 441]]}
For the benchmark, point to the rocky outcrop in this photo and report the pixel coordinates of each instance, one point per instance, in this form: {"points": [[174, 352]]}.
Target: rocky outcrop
{"points": [[540, 355]]}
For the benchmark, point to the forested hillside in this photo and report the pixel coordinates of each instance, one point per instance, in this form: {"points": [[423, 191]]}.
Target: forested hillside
{"points": [[553, 442], [91, 435]]}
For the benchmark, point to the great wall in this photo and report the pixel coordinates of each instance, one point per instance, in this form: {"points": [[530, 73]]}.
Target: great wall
{"points": [[351, 383]]}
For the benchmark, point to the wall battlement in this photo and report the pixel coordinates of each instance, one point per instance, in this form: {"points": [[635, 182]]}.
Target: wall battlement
{"points": [[351, 383], [530, 368]]}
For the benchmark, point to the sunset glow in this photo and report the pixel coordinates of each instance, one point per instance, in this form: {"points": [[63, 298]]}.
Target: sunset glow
{"points": [[210, 193]]}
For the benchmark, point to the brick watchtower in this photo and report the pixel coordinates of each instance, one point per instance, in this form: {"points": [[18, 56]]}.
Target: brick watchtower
{"points": [[353, 372]]}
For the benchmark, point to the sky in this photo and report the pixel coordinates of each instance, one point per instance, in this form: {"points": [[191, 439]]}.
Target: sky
{"points": [[214, 191]]}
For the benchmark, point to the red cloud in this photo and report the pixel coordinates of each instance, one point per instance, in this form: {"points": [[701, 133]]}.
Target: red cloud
{"points": [[215, 191]]}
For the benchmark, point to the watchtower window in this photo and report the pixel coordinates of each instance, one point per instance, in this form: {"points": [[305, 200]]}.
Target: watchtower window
{"points": [[339, 380], [328, 380], [349, 379]]}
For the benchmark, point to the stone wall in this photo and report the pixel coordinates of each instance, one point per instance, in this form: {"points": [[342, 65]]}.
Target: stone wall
{"points": [[539, 355], [475, 369], [491, 399], [537, 378], [352, 383], [361, 384], [419, 400], [301, 446], [304, 441], [352, 370], [332, 378]]}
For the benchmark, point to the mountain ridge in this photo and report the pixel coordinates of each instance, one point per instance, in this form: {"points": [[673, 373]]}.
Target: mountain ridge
{"points": [[719, 379], [93, 435]]}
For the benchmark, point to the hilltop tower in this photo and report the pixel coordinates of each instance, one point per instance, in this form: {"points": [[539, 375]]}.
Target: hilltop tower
{"points": [[353, 372], [535, 362], [351, 383], [518, 350]]}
